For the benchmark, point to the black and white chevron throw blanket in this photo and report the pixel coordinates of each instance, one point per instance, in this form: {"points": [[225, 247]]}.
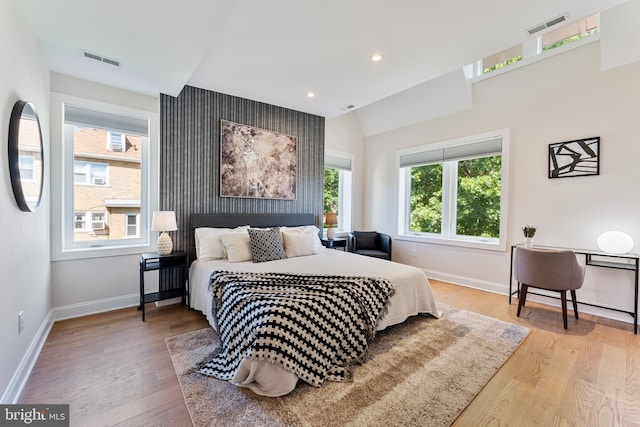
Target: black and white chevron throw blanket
{"points": [[314, 326]]}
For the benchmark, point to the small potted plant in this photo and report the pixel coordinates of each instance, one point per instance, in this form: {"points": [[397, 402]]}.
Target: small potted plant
{"points": [[529, 231]]}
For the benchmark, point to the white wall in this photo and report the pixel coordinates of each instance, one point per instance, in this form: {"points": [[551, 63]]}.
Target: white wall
{"points": [[84, 286], [343, 133], [24, 253], [561, 98]]}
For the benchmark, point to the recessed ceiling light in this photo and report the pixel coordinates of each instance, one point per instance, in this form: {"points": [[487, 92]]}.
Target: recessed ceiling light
{"points": [[377, 57], [310, 94]]}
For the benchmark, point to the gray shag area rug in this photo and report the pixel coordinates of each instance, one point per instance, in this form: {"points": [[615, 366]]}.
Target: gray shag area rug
{"points": [[422, 372]]}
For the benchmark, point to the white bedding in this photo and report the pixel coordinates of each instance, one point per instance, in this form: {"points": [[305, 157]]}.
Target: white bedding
{"points": [[412, 296]]}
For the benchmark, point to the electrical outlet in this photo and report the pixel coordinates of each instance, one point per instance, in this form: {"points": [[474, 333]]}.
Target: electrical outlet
{"points": [[413, 253], [20, 321]]}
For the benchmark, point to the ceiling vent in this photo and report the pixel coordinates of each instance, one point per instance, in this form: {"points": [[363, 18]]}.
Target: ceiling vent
{"points": [[347, 107], [101, 58], [550, 23]]}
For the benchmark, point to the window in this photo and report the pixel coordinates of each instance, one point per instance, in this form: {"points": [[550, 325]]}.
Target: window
{"points": [[454, 192], [89, 222], [80, 221], [131, 225], [570, 33], [533, 48], [502, 59], [116, 141], [26, 165], [94, 166], [337, 187], [98, 221], [90, 173], [105, 193]]}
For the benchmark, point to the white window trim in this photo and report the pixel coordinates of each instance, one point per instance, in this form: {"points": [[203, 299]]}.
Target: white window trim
{"points": [[150, 186], [495, 244]]}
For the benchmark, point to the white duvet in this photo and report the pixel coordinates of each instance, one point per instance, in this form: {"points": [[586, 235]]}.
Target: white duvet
{"points": [[412, 296]]}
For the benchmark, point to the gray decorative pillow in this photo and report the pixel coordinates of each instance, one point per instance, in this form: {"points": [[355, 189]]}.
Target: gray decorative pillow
{"points": [[266, 244], [365, 239]]}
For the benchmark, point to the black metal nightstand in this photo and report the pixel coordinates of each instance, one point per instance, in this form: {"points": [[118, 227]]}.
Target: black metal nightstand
{"points": [[154, 261], [335, 243]]}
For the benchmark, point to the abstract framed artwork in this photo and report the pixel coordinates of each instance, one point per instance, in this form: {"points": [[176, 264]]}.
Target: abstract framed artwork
{"points": [[257, 163], [574, 158]]}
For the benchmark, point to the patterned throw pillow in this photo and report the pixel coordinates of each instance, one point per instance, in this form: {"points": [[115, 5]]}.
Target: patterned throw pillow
{"points": [[266, 244]]}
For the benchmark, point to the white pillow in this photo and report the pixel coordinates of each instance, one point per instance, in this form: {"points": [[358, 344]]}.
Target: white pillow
{"points": [[300, 242], [238, 246], [208, 243], [304, 229]]}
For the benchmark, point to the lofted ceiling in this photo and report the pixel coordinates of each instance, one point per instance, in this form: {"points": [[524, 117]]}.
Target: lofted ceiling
{"points": [[276, 51]]}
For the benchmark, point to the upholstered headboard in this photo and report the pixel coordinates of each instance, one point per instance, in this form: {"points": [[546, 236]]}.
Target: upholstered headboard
{"points": [[235, 220]]}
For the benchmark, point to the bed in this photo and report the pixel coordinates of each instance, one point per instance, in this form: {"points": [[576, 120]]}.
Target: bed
{"points": [[411, 294]]}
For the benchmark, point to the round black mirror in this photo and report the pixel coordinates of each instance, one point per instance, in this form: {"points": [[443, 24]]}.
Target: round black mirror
{"points": [[26, 156]]}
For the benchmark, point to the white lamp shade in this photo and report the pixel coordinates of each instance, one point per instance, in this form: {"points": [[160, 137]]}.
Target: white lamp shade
{"points": [[164, 221], [615, 242]]}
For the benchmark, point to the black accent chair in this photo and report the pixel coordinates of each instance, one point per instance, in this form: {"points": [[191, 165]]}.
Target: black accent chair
{"points": [[370, 243]]}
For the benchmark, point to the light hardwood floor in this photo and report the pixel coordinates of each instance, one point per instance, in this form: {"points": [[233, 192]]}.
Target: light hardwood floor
{"points": [[114, 369]]}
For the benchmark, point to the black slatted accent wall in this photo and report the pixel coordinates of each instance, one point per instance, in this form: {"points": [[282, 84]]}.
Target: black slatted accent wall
{"points": [[190, 156]]}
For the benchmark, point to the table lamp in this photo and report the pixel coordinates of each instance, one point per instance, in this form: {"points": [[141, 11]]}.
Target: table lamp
{"points": [[164, 221], [331, 219], [615, 242]]}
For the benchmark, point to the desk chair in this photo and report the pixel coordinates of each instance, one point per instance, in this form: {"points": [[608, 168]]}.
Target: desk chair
{"points": [[553, 270]]}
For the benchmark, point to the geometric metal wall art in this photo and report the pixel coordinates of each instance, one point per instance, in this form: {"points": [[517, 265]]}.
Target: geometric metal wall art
{"points": [[574, 158]]}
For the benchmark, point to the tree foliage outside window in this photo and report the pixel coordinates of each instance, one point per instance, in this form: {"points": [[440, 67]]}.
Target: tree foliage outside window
{"points": [[426, 199], [477, 206], [502, 64], [331, 190]]}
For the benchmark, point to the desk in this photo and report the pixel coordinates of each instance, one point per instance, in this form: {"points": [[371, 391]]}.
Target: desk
{"points": [[154, 261], [603, 259]]}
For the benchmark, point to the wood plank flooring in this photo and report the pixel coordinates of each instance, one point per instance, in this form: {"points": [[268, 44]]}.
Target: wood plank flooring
{"points": [[114, 369]]}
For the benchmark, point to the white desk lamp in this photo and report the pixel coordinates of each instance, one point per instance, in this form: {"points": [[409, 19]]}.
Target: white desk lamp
{"points": [[615, 242]]}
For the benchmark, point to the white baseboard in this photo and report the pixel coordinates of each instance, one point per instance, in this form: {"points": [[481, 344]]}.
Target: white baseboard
{"points": [[469, 282], [503, 289], [97, 306], [19, 380]]}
